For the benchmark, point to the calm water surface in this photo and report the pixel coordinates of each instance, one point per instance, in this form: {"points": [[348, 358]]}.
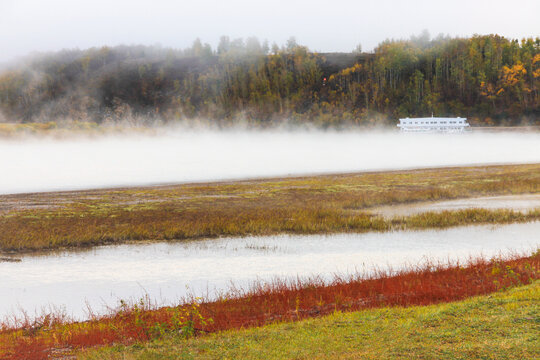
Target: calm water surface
{"points": [[185, 156], [522, 203], [169, 271]]}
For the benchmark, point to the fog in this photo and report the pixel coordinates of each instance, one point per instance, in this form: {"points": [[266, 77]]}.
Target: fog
{"points": [[51, 25], [33, 165]]}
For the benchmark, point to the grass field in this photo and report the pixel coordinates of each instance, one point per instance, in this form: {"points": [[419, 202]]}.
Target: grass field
{"points": [[504, 325], [302, 205]]}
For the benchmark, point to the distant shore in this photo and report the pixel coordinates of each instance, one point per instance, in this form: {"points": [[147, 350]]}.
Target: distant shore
{"points": [[505, 128], [10, 130]]}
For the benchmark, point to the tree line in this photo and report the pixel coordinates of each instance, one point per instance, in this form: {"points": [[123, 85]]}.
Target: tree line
{"points": [[490, 79]]}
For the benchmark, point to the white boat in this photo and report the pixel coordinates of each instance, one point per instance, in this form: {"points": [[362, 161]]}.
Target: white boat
{"points": [[433, 124]]}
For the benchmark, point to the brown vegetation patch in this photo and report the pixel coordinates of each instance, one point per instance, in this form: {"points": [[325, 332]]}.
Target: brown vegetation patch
{"points": [[303, 205]]}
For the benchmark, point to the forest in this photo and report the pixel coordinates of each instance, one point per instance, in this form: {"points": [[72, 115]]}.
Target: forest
{"points": [[489, 79]]}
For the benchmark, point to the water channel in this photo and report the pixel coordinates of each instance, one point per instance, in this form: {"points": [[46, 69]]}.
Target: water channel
{"points": [[168, 271], [519, 203]]}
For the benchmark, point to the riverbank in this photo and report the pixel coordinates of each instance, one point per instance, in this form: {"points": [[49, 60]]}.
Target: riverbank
{"points": [[69, 130], [297, 205], [514, 129], [498, 326], [280, 303], [88, 129]]}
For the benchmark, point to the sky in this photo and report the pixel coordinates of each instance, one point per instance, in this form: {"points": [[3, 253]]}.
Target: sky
{"points": [[326, 26]]}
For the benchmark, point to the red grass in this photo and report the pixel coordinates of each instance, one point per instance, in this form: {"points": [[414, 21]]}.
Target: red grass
{"points": [[266, 303]]}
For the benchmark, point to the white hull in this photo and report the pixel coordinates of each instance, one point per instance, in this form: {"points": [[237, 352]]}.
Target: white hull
{"points": [[435, 130], [433, 125]]}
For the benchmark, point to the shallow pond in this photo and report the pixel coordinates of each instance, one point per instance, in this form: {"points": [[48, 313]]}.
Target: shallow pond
{"points": [[521, 203], [169, 271]]}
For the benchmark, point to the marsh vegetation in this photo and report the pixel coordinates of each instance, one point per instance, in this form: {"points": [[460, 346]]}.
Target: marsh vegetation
{"points": [[302, 205]]}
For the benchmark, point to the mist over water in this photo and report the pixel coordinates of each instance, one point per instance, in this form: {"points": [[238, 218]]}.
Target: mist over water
{"points": [[33, 165]]}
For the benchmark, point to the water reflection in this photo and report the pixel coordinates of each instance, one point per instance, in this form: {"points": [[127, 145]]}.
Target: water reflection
{"points": [[167, 271]]}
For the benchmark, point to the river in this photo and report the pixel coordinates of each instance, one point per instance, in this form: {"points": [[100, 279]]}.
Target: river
{"points": [[168, 271]]}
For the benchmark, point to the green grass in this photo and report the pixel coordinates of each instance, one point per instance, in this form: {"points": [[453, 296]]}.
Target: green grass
{"points": [[504, 325], [303, 205]]}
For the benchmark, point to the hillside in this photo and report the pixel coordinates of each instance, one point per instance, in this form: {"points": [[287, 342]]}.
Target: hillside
{"points": [[489, 79]]}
